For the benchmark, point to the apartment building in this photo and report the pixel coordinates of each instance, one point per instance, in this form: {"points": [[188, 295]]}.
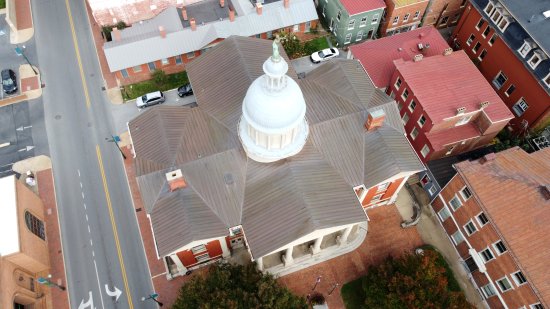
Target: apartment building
{"points": [[495, 212], [509, 41], [447, 106], [402, 16], [352, 21], [178, 35], [443, 13]]}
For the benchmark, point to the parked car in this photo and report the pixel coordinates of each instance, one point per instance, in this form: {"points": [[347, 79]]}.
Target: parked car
{"points": [[324, 55], [150, 99], [185, 90], [9, 81]]}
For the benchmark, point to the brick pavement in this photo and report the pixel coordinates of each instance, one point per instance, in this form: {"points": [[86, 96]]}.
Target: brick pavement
{"points": [[23, 14], [60, 299], [385, 237]]}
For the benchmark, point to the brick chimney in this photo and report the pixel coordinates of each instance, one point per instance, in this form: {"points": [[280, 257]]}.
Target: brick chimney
{"points": [[483, 104], [447, 51], [222, 3], [375, 120], [175, 180], [259, 8], [286, 3], [184, 13], [231, 15], [115, 34], [162, 32], [418, 57], [193, 24]]}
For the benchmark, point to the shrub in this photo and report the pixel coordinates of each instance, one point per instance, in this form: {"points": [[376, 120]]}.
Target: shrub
{"points": [[159, 77]]}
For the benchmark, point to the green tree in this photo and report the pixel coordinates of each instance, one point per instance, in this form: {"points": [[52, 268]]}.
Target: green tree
{"points": [[412, 281], [234, 287], [159, 77]]}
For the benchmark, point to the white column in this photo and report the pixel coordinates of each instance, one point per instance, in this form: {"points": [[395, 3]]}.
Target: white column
{"points": [[288, 256], [181, 268], [394, 196], [225, 249], [316, 248], [260, 263], [345, 235]]}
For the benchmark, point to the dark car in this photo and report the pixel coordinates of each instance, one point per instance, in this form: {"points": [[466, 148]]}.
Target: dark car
{"points": [[9, 81], [185, 90]]}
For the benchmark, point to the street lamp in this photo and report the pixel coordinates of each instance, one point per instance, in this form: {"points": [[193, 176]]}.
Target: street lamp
{"points": [[333, 288], [153, 297], [48, 282], [316, 282], [115, 139], [20, 52]]}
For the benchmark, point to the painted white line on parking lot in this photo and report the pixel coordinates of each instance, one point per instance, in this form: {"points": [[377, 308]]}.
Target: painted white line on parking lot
{"points": [[5, 144]]}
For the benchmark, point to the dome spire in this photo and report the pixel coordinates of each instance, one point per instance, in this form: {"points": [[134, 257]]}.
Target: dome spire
{"points": [[276, 57]]}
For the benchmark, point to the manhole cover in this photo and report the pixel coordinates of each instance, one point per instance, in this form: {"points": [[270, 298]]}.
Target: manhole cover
{"points": [[57, 117]]}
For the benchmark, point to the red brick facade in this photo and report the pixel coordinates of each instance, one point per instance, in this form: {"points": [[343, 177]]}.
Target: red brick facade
{"points": [[485, 236], [173, 64], [444, 13], [498, 57], [402, 18]]}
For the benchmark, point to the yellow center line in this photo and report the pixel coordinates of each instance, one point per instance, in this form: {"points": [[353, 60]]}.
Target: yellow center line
{"points": [[115, 232], [77, 52]]}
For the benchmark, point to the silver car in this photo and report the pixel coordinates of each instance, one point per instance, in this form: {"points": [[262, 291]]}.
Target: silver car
{"points": [[150, 99]]}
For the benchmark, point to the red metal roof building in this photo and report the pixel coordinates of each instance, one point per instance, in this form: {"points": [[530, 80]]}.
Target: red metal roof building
{"points": [[446, 105], [377, 56], [355, 7]]}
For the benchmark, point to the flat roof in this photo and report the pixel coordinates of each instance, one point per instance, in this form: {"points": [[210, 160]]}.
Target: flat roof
{"points": [[8, 216]]}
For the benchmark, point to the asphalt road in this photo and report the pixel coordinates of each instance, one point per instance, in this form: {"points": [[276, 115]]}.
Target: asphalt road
{"points": [[304, 64], [102, 247]]}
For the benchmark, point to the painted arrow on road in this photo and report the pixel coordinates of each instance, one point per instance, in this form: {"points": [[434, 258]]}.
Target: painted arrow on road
{"points": [[116, 293], [89, 303], [23, 128], [28, 148]]}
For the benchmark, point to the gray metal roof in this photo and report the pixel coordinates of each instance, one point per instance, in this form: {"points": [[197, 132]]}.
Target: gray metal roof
{"points": [[279, 202], [142, 43]]}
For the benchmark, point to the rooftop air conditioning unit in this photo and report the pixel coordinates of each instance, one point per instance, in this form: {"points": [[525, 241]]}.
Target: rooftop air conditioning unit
{"points": [[418, 57], [420, 46]]}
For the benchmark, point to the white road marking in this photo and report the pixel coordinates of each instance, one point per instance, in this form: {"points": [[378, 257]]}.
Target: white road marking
{"points": [[89, 229], [84, 205], [86, 217], [82, 195], [91, 242], [89, 303], [99, 285], [78, 173], [81, 185], [93, 253]]}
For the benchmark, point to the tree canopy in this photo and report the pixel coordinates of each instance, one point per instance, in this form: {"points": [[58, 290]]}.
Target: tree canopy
{"points": [[412, 281], [234, 287]]}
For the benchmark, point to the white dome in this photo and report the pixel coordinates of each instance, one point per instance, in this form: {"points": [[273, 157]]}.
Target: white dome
{"points": [[274, 112]]}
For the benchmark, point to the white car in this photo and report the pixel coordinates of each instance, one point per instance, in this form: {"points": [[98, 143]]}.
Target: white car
{"points": [[150, 99], [324, 55]]}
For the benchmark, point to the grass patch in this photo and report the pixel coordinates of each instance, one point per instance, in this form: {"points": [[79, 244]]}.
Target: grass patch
{"points": [[133, 91], [314, 45], [451, 280], [352, 294], [2, 4]]}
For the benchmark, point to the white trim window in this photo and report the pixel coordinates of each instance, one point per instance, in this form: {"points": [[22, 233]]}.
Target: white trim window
{"points": [[363, 22], [486, 31], [465, 193], [535, 59], [455, 203], [524, 49], [464, 120], [500, 247], [476, 47], [421, 120], [470, 39], [202, 257], [351, 24], [504, 23], [416, 14], [504, 284], [432, 190], [395, 20], [470, 227], [137, 69], [480, 23], [482, 55], [444, 21], [488, 290], [510, 90], [348, 38], [359, 36], [405, 118], [520, 107], [375, 18], [482, 219], [414, 133], [383, 187], [198, 249], [536, 306], [546, 80], [489, 8], [457, 237], [165, 61], [425, 150], [397, 83], [499, 80], [406, 17], [412, 106], [487, 255], [519, 278], [493, 39], [405, 94]]}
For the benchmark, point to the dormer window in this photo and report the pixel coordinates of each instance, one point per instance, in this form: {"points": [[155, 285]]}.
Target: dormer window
{"points": [[537, 57], [546, 80], [504, 23], [489, 8], [525, 48]]}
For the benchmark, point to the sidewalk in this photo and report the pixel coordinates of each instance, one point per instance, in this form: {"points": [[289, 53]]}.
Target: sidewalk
{"points": [[59, 299], [432, 233]]}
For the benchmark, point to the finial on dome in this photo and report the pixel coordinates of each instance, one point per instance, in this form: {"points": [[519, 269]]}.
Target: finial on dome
{"points": [[276, 57]]}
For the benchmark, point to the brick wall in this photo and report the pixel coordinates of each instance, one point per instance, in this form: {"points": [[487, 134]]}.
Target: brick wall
{"points": [[444, 13], [485, 236], [392, 11]]}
